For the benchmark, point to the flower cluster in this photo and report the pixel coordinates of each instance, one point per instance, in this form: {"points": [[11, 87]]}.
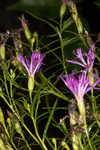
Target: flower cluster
{"points": [[35, 64], [32, 67], [81, 85], [88, 63]]}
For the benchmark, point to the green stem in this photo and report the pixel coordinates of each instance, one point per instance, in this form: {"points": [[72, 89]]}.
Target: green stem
{"points": [[93, 102], [61, 19], [43, 146], [81, 107], [17, 115], [62, 48], [65, 146], [9, 136], [5, 84], [30, 95], [27, 143], [11, 91]]}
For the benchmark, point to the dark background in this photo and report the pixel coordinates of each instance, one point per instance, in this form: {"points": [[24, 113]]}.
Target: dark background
{"points": [[9, 19]]}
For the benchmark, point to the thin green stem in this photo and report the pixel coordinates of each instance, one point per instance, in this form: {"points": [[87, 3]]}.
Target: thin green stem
{"points": [[65, 145], [5, 84], [61, 29], [81, 107], [9, 136], [27, 143], [62, 48], [30, 133], [11, 91], [43, 146], [93, 102], [30, 95], [17, 115]]}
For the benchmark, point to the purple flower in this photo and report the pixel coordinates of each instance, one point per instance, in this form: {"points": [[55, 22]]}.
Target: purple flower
{"points": [[88, 63], [35, 64], [79, 86]]}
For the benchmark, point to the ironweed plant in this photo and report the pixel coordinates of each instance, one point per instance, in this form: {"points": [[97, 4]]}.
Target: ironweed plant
{"points": [[37, 112]]}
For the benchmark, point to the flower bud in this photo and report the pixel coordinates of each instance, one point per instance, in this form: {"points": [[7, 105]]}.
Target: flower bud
{"points": [[18, 128], [2, 51], [79, 26], [30, 83], [2, 121], [54, 142], [62, 10], [9, 122], [12, 74], [27, 106], [18, 45], [26, 29], [28, 34], [75, 16], [32, 41]]}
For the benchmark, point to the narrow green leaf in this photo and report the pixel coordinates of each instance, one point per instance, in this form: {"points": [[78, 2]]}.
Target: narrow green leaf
{"points": [[49, 119]]}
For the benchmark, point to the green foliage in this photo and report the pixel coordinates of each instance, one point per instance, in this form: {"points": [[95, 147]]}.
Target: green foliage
{"points": [[42, 119], [97, 3], [44, 8]]}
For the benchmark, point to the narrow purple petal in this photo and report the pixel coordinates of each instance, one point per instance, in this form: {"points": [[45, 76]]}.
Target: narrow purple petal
{"points": [[93, 86], [97, 88], [21, 59], [75, 62], [63, 78], [80, 55], [27, 62], [71, 82]]}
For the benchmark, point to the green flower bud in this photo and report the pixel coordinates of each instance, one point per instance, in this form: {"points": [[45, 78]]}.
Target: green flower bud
{"points": [[62, 10], [30, 83], [9, 122], [18, 128], [2, 51], [12, 74], [32, 41], [28, 34], [75, 16], [54, 142], [26, 29], [79, 26], [2, 121], [27, 106]]}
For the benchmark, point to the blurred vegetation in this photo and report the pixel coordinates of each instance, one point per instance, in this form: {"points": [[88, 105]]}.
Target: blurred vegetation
{"points": [[42, 8]]}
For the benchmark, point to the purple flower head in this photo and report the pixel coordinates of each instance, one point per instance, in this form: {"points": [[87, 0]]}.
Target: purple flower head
{"points": [[35, 64], [79, 86], [88, 63]]}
